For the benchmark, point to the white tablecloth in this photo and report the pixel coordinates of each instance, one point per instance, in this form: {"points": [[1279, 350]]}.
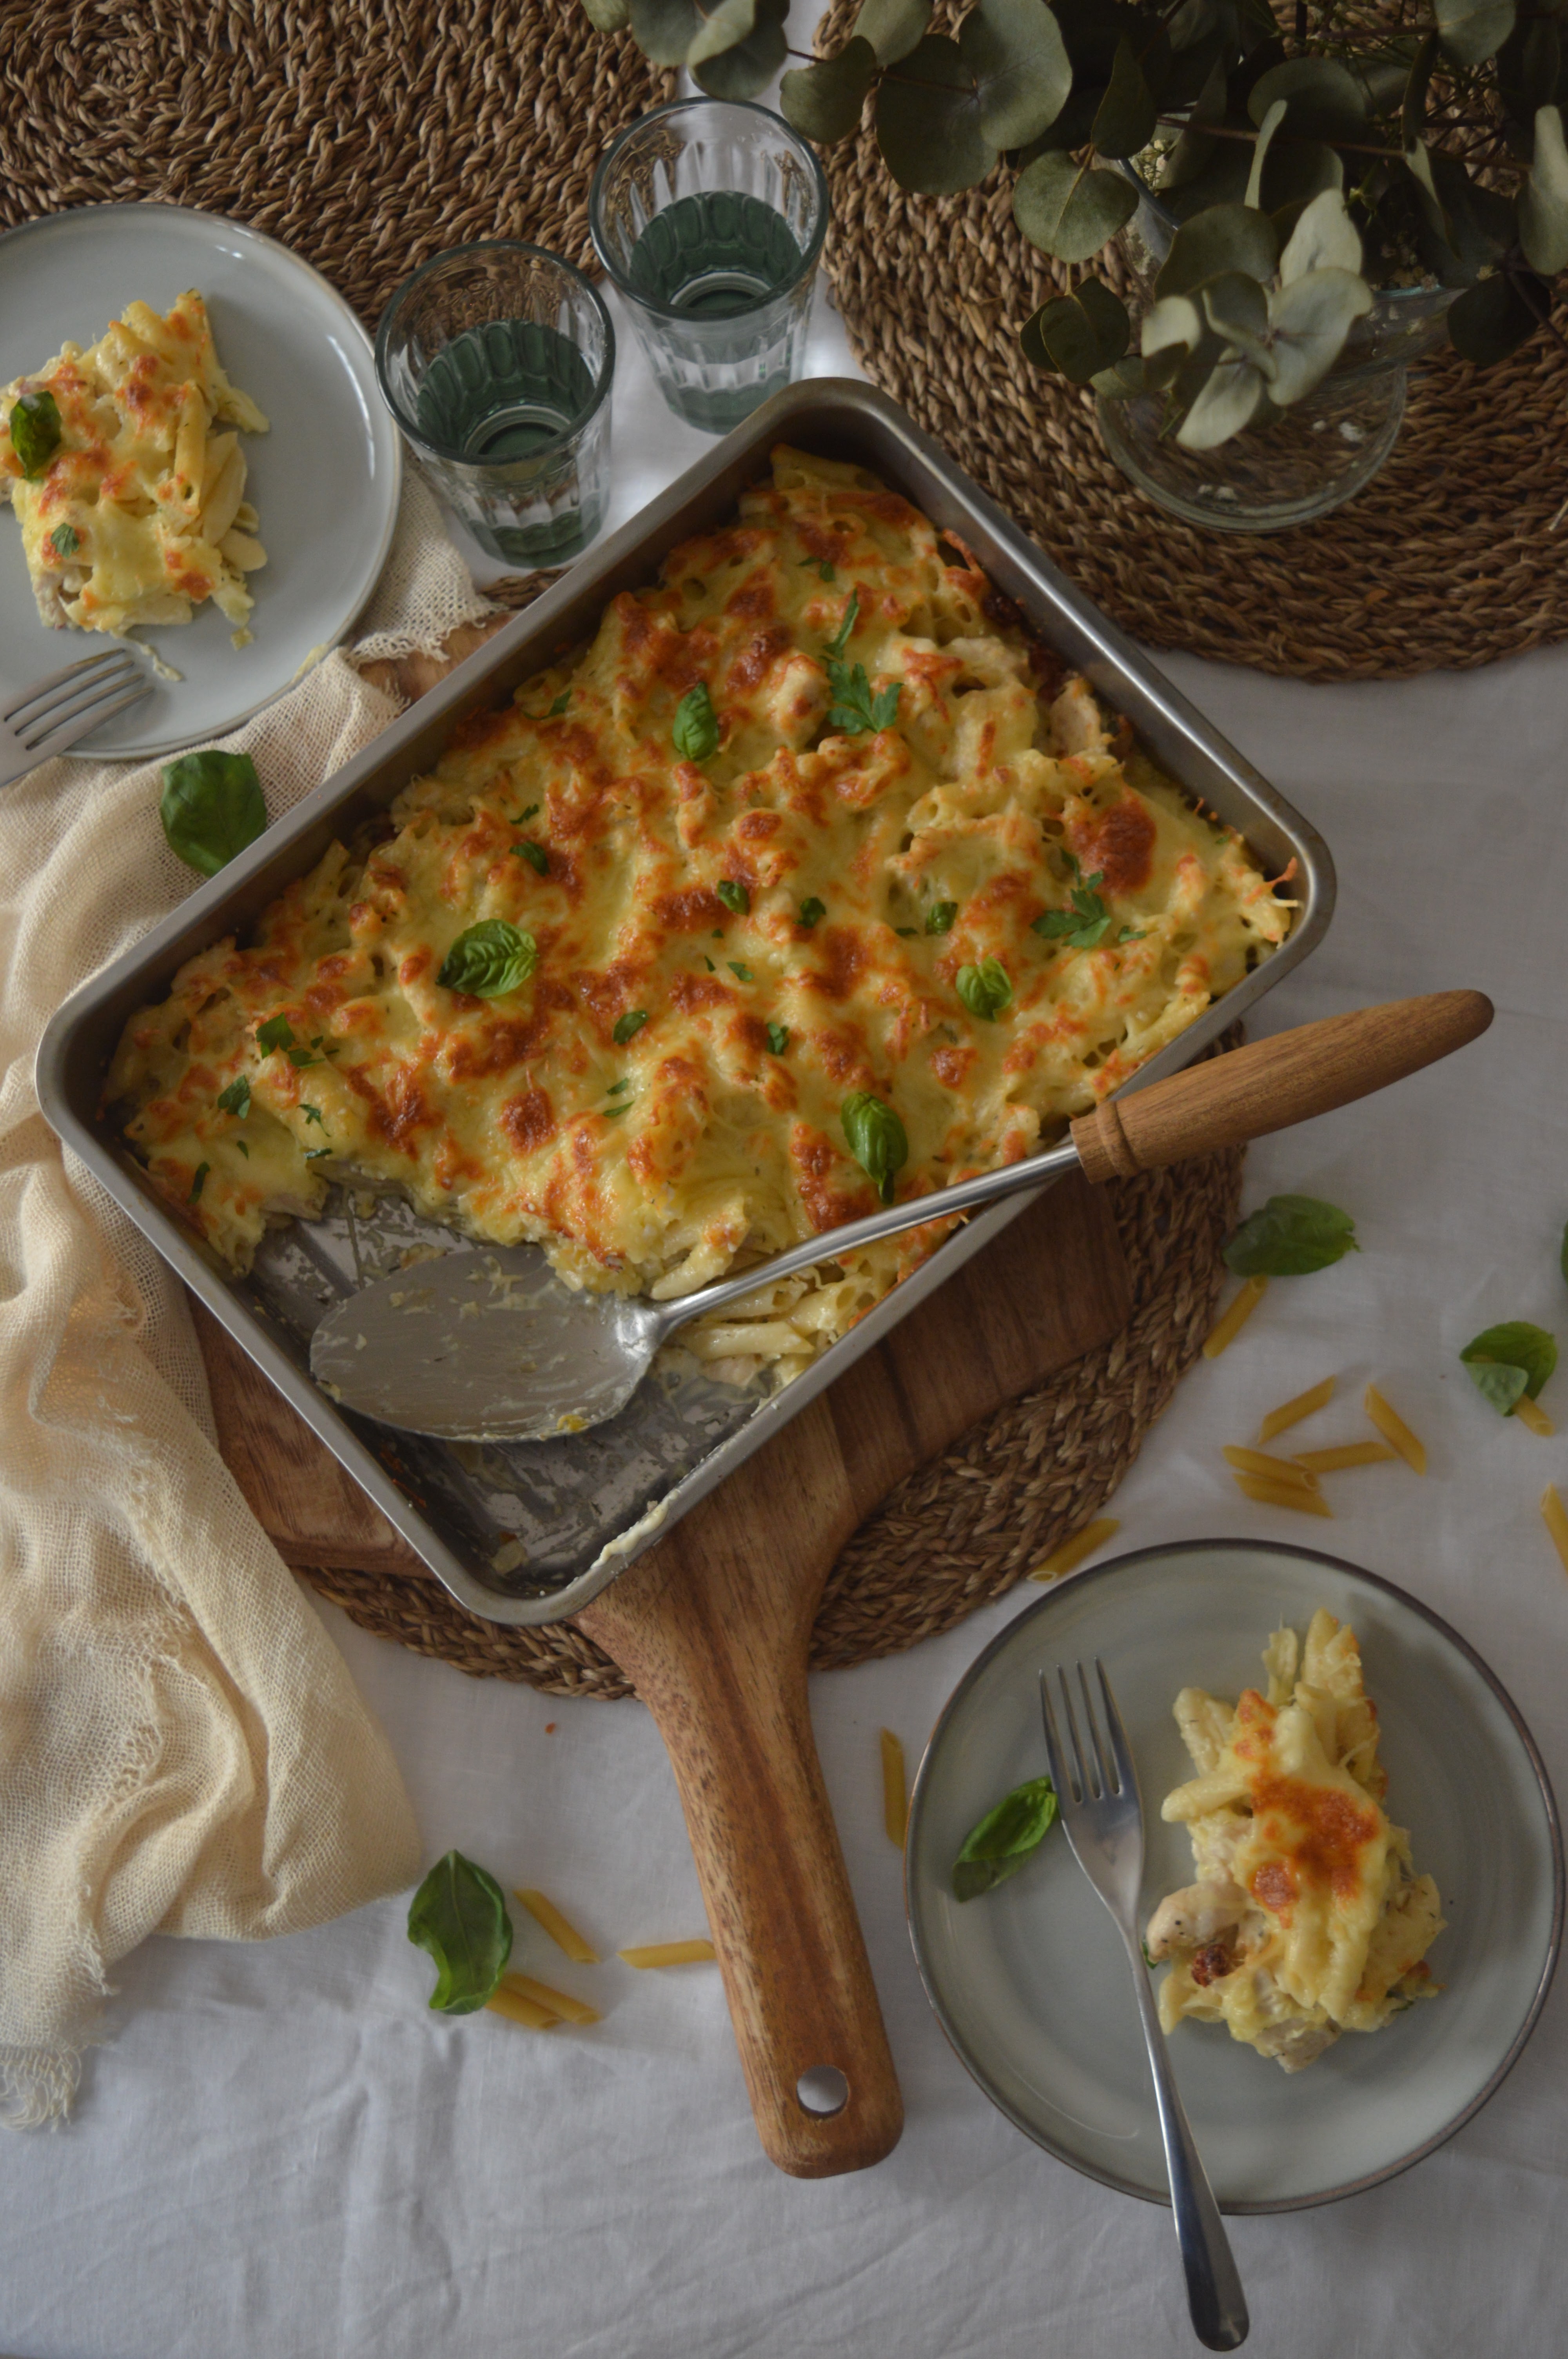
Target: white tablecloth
{"points": [[279, 2151]]}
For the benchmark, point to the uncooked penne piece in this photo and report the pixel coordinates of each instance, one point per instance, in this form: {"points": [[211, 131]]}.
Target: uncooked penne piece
{"points": [[1345, 1453], [1392, 1428], [1555, 1516], [896, 1792], [1531, 1413], [669, 1953], [1071, 1554], [519, 2008], [561, 1931], [1290, 1412], [559, 2003], [1229, 1324], [1282, 1495], [1271, 1470]]}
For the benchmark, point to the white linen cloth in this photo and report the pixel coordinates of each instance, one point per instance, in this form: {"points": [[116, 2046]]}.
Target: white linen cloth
{"points": [[283, 2153], [180, 1747]]}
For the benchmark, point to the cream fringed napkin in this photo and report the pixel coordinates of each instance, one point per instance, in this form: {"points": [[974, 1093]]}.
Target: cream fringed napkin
{"points": [[181, 1749]]}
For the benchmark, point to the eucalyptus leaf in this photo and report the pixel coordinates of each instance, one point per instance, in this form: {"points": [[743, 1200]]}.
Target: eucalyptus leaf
{"points": [[1237, 307], [1079, 335], [1326, 238], [1266, 130], [1297, 170], [1491, 320], [1070, 210], [1543, 207], [1124, 121], [608, 16], [722, 28], [928, 121], [893, 26], [1529, 68], [1172, 324], [824, 101], [665, 29], [1227, 237], [1308, 322], [1412, 110], [459, 1915], [1224, 404], [1195, 145], [1005, 1840], [1023, 74], [1070, 128], [746, 67], [1474, 31], [1325, 99]]}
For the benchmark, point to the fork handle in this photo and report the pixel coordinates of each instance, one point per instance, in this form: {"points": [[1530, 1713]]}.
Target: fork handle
{"points": [[1214, 2298]]}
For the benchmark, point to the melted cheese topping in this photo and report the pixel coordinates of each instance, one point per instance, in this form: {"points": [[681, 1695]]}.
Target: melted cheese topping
{"points": [[1312, 1919], [140, 515], [727, 948]]}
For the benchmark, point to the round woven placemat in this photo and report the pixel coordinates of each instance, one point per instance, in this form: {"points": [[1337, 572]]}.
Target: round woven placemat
{"points": [[959, 1531], [367, 135], [1454, 555]]}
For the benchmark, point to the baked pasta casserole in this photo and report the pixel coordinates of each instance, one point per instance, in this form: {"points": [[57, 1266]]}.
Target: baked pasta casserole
{"points": [[129, 488], [1308, 1918], [811, 879]]}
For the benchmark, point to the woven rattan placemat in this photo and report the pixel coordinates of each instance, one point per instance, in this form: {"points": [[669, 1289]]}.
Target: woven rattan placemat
{"points": [[963, 1530], [367, 135], [1455, 554]]}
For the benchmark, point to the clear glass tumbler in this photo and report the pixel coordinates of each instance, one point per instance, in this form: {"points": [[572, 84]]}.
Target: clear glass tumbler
{"points": [[496, 361], [710, 216]]}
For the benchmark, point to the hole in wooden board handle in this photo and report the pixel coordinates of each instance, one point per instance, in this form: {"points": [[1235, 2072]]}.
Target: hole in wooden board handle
{"points": [[823, 2090]]}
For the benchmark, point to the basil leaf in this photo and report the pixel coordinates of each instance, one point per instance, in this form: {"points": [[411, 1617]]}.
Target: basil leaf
{"points": [[734, 896], [65, 540], [278, 1032], [489, 960], [35, 431], [1006, 1839], [744, 973], [812, 909], [986, 989], [940, 917], [210, 808], [1510, 1363], [627, 1026], [696, 733], [199, 1182], [841, 639], [778, 1038], [1290, 1236], [877, 1139], [236, 1098], [559, 705], [459, 1915], [536, 855]]}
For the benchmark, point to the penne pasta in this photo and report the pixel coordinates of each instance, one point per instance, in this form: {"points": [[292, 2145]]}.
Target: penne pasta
{"points": [[669, 1953], [1292, 1412], [1271, 1470], [1394, 1429], [558, 2003], [1229, 1324], [1555, 1516], [1531, 1413], [896, 1792], [1348, 1453], [519, 2008], [561, 1931], [1071, 1553], [1282, 1495]]}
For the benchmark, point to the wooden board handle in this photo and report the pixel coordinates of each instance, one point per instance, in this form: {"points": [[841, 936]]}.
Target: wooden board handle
{"points": [[1276, 1082]]}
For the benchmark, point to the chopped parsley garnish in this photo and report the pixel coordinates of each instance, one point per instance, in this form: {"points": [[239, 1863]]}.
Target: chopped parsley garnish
{"points": [[538, 859], [940, 917], [312, 1114], [617, 1087], [65, 540], [278, 1032], [614, 1113], [778, 1038], [1085, 925], [812, 909], [734, 896], [244, 1150], [199, 1182], [854, 708], [314, 1154], [736, 968], [236, 1098], [907, 933], [559, 705], [707, 963], [627, 1026], [301, 1059], [532, 812], [840, 640]]}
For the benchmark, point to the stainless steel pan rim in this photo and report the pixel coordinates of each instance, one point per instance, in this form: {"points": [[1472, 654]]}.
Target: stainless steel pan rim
{"points": [[835, 418]]}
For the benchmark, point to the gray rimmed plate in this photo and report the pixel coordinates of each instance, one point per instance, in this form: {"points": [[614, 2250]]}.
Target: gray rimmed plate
{"points": [[1029, 1982], [325, 480]]}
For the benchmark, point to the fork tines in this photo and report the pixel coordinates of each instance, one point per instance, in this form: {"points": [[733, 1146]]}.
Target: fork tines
{"points": [[1103, 1765], [76, 698]]}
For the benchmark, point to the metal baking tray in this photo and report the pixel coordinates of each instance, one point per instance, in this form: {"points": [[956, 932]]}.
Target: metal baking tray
{"points": [[531, 1531]]}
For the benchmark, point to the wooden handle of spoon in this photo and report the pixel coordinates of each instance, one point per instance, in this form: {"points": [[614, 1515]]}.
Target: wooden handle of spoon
{"points": [[1275, 1083]]}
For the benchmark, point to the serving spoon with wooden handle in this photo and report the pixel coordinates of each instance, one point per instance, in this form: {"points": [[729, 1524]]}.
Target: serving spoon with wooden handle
{"points": [[488, 1344]]}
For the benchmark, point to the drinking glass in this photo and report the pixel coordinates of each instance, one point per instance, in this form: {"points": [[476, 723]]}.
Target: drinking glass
{"points": [[496, 361], [709, 215]]}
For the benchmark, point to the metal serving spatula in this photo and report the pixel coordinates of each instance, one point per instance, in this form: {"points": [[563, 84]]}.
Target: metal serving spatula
{"points": [[488, 1345]]}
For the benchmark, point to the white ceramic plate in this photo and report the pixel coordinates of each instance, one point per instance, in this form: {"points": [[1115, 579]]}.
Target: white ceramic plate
{"points": [[325, 480], [1030, 1982]]}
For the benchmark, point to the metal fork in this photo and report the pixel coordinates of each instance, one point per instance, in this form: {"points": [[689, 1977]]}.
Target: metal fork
{"points": [[1097, 1795], [54, 713]]}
